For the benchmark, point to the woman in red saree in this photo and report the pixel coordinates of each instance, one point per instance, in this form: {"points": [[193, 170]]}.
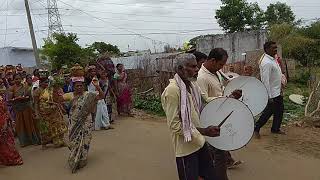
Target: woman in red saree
{"points": [[9, 156], [124, 100]]}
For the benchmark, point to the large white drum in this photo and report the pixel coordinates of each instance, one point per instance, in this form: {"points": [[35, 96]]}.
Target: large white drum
{"points": [[254, 93], [236, 120]]}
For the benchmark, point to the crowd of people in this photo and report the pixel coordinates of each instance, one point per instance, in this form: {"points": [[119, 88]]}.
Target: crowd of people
{"points": [[60, 108]]}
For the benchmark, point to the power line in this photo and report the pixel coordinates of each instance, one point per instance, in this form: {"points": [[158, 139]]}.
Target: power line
{"points": [[128, 14], [21, 28], [147, 6], [150, 33], [156, 21], [110, 23], [137, 20], [17, 39], [122, 4], [127, 4], [36, 19], [35, 2], [128, 34], [174, 2], [3, 4], [142, 29], [42, 30], [150, 29]]}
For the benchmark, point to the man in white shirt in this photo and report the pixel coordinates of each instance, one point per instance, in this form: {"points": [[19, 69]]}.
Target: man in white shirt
{"points": [[271, 74]]}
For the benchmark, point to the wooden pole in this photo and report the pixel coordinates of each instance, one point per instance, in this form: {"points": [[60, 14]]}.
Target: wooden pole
{"points": [[33, 37]]}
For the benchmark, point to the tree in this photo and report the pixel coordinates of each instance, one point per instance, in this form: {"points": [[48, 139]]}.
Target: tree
{"points": [[279, 13], [238, 15], [62, 50], [258, 17], [102, 48], [299, 43]]}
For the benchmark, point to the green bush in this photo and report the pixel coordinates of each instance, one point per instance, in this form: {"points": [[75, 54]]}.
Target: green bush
{"points": [[150, 104], [303, 77]]}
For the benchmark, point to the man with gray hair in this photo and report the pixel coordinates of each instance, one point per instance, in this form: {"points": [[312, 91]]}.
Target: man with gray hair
{"points": [[182, 103]]}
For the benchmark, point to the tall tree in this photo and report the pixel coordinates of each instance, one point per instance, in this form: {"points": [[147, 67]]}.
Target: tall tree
{"points": [[279, 13], [62, 50], [239, 15]]}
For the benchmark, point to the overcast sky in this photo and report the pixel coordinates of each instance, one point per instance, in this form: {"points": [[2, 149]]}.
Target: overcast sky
{"points": [[129, 24]]}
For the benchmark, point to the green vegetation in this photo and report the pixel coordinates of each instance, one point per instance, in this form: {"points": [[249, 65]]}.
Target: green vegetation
{"points": [[239, 15], [63, 49], [298, 85], [299, 43], [151, 104], [292, 110]]}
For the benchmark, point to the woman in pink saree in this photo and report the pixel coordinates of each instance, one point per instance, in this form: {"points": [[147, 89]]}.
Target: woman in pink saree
{"points": [[9, 156], [124, 100]]}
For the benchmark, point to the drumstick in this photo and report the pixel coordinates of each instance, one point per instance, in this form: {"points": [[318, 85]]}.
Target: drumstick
{"points": [[224, 120]]}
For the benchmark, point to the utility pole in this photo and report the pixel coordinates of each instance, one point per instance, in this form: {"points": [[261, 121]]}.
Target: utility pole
{"points": [[33, 37]]}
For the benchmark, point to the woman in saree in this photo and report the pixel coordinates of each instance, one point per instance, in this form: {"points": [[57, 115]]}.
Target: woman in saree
{"points": [[124, 100], [9, 156], [26, 125], [80, 127], [49, 110]]}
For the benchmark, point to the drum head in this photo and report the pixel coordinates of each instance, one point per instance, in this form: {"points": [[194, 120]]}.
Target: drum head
{"points": [[298, 99], [238, 128], [254, 93]]}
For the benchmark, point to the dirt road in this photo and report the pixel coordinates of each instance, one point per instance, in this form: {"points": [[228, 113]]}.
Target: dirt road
{"points": [[140, 149]]}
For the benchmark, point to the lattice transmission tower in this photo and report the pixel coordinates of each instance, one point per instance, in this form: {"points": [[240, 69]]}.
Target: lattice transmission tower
{"points": [[54, 20]]}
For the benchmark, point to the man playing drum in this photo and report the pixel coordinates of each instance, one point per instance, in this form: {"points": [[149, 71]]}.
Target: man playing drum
{"points": [[182, 103], [211, 84]]}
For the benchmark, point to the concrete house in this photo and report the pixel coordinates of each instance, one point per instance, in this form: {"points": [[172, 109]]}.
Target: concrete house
{"points": [[17, 55]]}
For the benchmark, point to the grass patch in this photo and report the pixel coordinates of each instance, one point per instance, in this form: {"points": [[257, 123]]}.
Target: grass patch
{"points": [[299, 85], [292, 110]]}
